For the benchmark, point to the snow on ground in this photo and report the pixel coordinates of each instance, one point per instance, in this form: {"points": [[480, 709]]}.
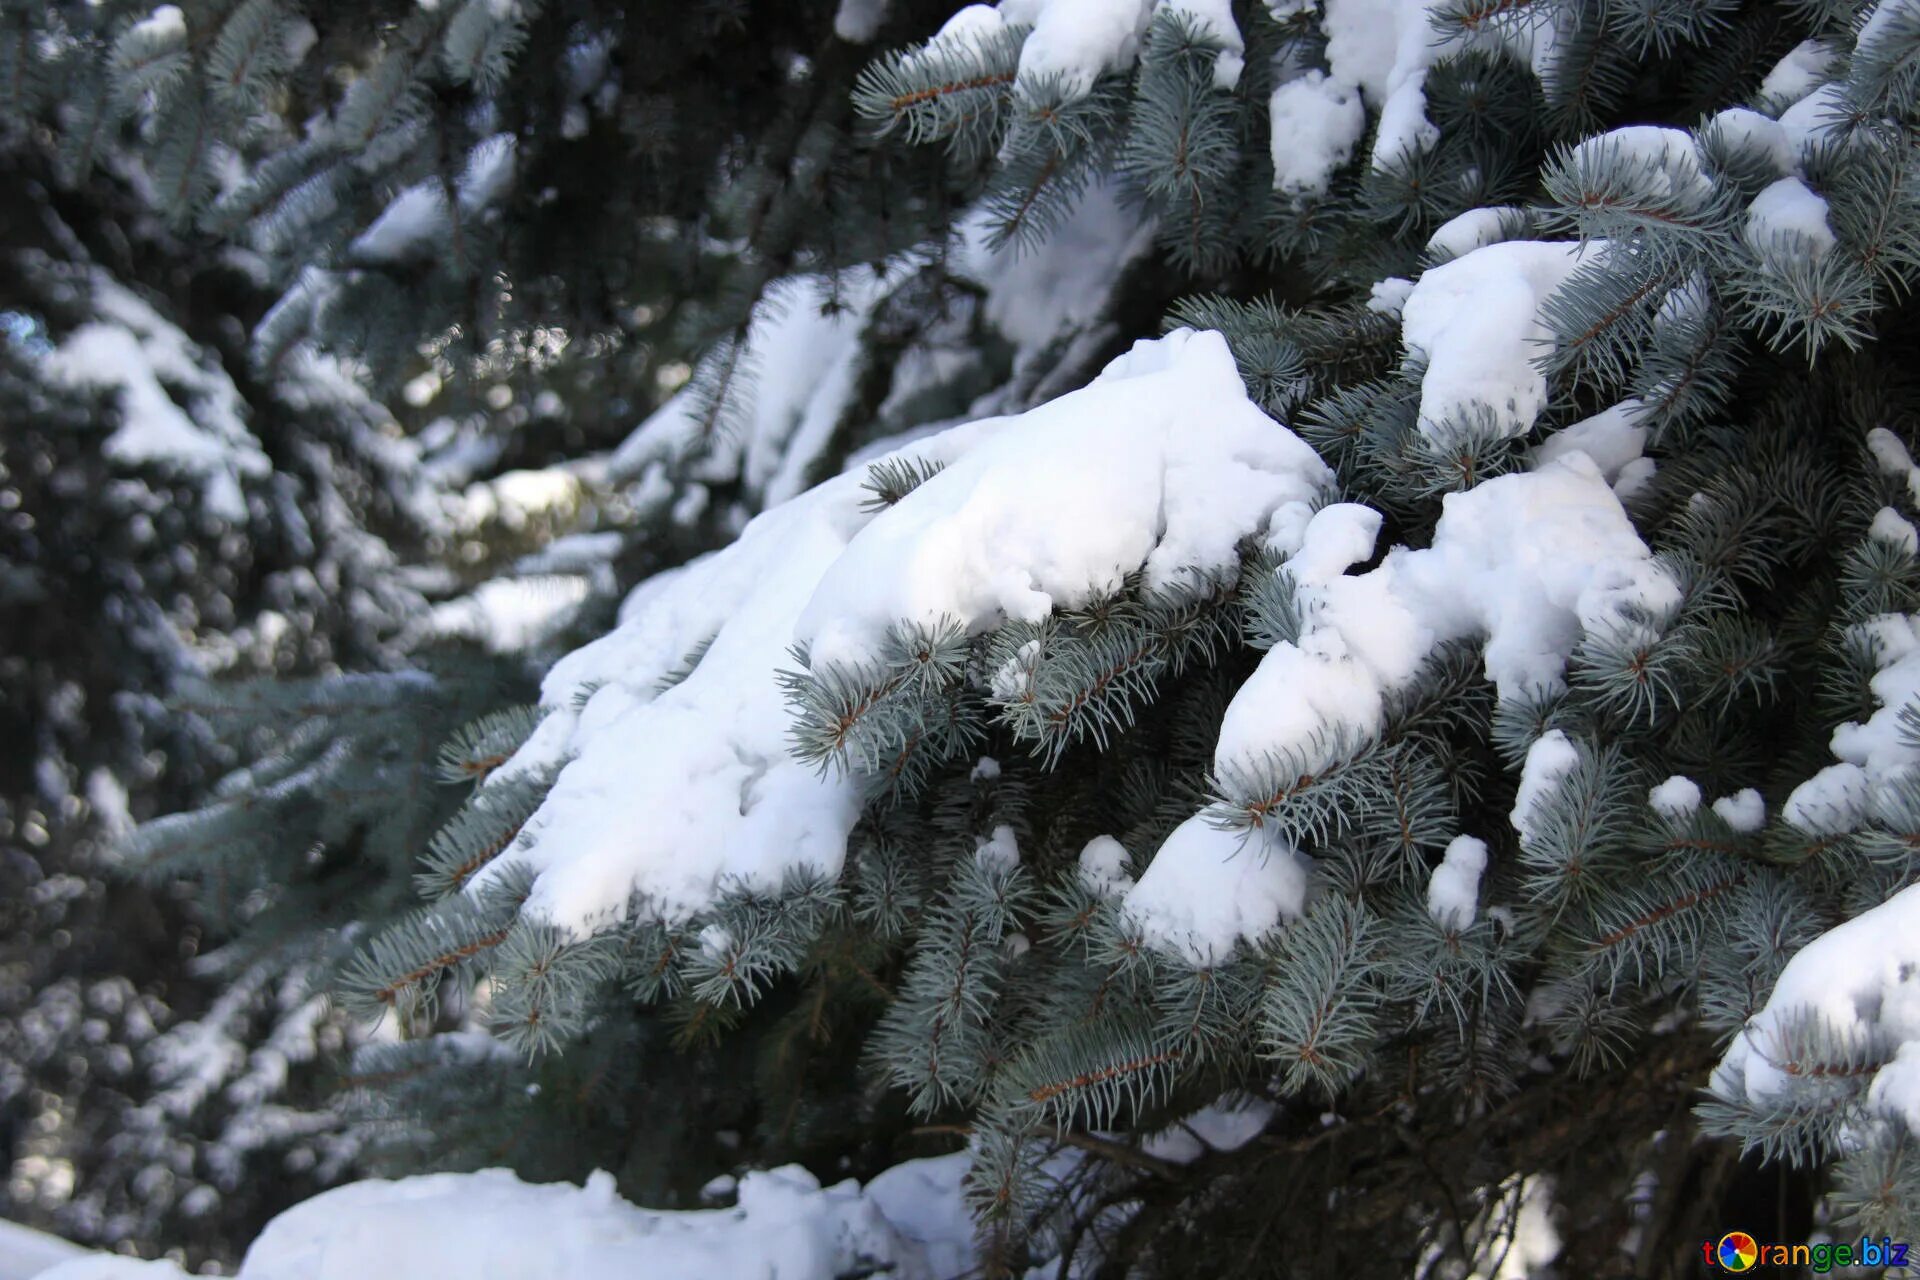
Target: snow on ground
{"points": [[909, 1223], [675, 794], [26, 1253]]}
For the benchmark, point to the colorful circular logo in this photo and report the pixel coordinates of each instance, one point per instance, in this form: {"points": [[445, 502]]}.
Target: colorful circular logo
{"points": [[1738, 1251]]}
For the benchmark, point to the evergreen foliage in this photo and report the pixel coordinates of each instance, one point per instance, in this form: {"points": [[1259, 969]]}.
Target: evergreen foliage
{"points": [[971, 972]]}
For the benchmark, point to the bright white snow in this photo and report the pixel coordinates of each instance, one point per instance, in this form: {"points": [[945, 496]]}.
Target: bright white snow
{"points": [[1528, 563], [1788, 219], [1317, 121], [1862, 979], [1475, 322], [1806, 66], [910, 1222], [674, 795], [1453, 890], [1207, 889], [1875, 756], [1677, 797]]}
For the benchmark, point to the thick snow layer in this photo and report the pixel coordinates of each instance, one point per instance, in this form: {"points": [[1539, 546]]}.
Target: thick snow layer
{"points": [[178, 408], [1831, 802], [1020, 526], [1787, 217], [26, 1253], [1038, 293], [784, 1226], [1880, 20], [674, 794], [1666, 161], [1862, 979], [1072, 42], [1875, 757], [1806, 66], [1386, 47], [1317, 120], [1475, 322], [1207, 889], [1453, 890]]}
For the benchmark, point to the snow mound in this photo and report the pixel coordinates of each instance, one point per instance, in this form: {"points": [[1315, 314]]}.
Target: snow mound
{"points": [[785, 1226], [1386, 47], [1021, 525], [1453, 891], [1071, 43], [1788, 218], [1316, 123], [1475, 322], [675, 794], [1207, 889]]}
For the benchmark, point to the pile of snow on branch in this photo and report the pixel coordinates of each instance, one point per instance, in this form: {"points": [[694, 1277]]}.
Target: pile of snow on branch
{"points": [[1529, 564], [675, 794]]}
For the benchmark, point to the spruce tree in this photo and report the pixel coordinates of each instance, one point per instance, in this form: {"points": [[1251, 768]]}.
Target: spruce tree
{"points": [[1350, 564]]}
